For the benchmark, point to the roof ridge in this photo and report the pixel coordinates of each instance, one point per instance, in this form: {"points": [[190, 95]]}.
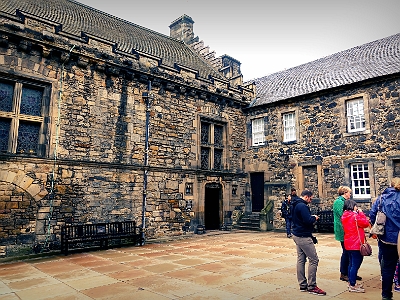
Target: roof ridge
{"points": [[123, 20], [325, 57]]}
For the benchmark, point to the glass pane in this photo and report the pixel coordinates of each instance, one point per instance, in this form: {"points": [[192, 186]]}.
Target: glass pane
{"points": [[31, 102], [4, 134], [205, 158], [218, 138], [205, 133], [28, 137], [217, 159], [6, 96]]}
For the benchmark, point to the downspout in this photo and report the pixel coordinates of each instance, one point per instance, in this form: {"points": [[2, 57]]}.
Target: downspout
{"points": [[147, 98]]}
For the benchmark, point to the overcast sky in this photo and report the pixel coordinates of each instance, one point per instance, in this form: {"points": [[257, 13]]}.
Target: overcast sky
{"points": [[267, 36]]}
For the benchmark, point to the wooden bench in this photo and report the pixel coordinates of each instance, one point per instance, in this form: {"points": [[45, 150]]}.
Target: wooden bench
{"points": [[99, 235]]}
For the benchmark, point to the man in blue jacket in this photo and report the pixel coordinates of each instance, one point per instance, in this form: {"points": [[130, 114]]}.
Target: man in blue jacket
{"points": [[390, 205], [303, 227]]}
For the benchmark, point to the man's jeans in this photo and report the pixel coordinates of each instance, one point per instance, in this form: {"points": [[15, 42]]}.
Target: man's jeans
{"points": [[388, 267], [306, 249], [356, 260], [288, 226], [344, 261]]}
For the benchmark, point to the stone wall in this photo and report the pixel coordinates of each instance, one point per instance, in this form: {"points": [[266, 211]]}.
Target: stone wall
{"points": [[94, 161], [319, 159]]}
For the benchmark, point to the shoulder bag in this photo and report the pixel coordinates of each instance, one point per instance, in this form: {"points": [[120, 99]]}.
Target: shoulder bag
{"points": [[365, 248], [379, 226]]}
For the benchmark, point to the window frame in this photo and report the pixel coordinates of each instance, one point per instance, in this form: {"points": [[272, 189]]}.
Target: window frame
{"points": [[212, 147], [354, 187], [16, 117], [285, 127], [342, 102], [355, 115], [257, 132]]}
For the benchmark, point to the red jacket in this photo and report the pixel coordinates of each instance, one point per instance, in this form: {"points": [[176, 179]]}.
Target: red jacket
{"points": [[351, 236]]}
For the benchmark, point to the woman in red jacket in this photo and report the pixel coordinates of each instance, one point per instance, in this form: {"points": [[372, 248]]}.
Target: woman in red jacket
{"points": [[354, 221]]}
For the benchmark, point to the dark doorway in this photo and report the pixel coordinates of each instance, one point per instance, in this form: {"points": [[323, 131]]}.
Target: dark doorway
{"points": [[212, 206], [257, 191]]}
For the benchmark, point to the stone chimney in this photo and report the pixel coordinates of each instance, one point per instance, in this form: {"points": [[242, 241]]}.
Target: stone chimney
{"points": [[182, 29], [231, 70]]}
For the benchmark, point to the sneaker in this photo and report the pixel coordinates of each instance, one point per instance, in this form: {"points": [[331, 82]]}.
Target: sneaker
{"points": [[397, 288], [356, 289], [303, 289], [344, 277], [358, 278], [317, 291]]}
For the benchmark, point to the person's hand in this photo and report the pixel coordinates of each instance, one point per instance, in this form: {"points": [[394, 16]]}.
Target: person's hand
{"points": [[316, 217]]}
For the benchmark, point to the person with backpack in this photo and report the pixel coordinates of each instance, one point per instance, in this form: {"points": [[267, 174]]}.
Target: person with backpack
{"points": [[388, 242], [286, 211]]}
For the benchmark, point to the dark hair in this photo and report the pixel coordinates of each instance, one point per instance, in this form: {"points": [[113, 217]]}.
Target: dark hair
{"points": [[349, 205], [306, 193], [293, 190]]}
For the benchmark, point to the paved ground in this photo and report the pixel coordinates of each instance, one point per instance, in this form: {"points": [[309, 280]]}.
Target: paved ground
{"points": [[217, 265]]}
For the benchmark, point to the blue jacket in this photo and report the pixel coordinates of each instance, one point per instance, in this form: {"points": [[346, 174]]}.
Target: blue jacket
{"points": [[391, 208], [286, 209], [302, 220]]}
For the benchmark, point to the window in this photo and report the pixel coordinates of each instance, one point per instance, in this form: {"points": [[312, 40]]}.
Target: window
{"points": [[257, 129], [189, 189], [355, 115], [396, 168], [21, 117], [360, 180], [289, 127], [212, 145]]}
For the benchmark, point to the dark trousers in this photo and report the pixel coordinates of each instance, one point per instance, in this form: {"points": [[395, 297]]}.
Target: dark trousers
{"points": [[356, 260], [288, 226], [344, 261], [388, 267]]}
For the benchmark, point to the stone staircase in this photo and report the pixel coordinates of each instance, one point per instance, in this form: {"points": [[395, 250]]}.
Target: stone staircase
{"points": [[249, 222]]}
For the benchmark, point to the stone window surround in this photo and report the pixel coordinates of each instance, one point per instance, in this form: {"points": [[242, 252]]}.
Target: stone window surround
{"points": [[280, 133], [43, 147], [390, 166], [300, 176], [343, 120], [213, 121], [347, 179], [252, 132]]}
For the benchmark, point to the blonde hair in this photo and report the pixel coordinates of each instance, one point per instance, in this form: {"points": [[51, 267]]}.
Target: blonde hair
{"points": [[343, 189], [395, 183]]}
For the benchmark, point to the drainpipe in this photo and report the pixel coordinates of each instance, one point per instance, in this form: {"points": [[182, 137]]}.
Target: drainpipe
{"points": [[147, 98]]}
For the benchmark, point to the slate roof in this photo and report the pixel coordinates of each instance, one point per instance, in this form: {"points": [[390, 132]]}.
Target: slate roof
{"points": [[374, 59], [76, 18]]}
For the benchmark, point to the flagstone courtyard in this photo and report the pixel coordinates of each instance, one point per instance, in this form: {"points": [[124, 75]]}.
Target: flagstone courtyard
{"points": [[216, 265]]}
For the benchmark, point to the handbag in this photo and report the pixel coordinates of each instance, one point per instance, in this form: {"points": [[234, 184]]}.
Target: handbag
{"points": [[365, 248]]}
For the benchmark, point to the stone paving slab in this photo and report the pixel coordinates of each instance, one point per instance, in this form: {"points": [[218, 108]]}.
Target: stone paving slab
{"points": [[216, 265]]}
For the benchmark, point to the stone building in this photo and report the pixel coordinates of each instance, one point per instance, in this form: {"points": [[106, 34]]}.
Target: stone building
{"points": [[103, 120], [334, 121]]}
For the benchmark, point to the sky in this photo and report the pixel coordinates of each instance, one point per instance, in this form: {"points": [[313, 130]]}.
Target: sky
{"points": [[267, 36]]}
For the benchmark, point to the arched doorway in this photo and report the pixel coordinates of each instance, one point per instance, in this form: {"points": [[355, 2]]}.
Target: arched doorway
{"points": [[212, 206]]}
